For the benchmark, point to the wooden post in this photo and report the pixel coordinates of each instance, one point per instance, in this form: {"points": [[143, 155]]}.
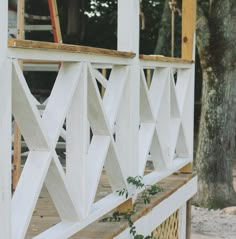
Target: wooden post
{"points": [[55, 21], [188, 52], [188, 28], [188, 219], [17, 133], [188, 43], [104, 73], [5, 127], [128, 122]]}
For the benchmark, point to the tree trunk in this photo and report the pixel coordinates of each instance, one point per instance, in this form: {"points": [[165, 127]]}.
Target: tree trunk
{"points": [[76, 21], [216, 34], [164, 34]]}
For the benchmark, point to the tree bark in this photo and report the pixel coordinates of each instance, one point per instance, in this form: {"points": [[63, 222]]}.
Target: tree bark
{"points": [[164, 34], [216, 34], [76, 21]]}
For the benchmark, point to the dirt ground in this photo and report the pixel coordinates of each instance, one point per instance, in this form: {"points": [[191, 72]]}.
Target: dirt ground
{"points": [[209, 224]]}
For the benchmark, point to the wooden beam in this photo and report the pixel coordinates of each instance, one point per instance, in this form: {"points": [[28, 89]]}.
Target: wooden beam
{"points": [[55, 21], [187, 168], [17, 133], [26, 44], [126, 206], [21, 19], [16, 156], [188, 28], [188, 219], [165, 59]]}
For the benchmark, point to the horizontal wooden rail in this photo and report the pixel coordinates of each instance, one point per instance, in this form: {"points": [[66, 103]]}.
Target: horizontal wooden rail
{"points": [[26, 44], [164, 59]]}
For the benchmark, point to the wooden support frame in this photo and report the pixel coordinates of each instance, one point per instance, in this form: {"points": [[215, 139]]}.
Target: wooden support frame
{"points": [[55, 21], [130, 109], [17, 133], [189, 8]]}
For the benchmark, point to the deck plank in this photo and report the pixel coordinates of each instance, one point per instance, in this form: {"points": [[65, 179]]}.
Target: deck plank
{"points": [[45, 214]]}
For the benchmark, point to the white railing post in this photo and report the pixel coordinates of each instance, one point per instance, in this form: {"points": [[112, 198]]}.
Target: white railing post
{"points": [[4, 28], [5, 126], [128, 120]]}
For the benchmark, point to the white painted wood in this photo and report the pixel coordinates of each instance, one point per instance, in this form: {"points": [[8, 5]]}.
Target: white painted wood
{"points": [[59, 191], [29, 120], [38, 27], [157, 155], [4, 30], [114, 92], [146, 112], [146, 133], [67, 228], [55, 55], [188, 114], [174, 132], [175, 111], [183, 79], [76, 145], [127, 124], [97, 155], [41, 67], [157, 88], [127, 127], [156, 176], [99, 124], [25, 112], [102, 65], [100, 78], [154, 218], [62, 94], [182, 222], [163, 116], [5, 138], [27, 191], [96, 114], [128, 25], [182, 149]]}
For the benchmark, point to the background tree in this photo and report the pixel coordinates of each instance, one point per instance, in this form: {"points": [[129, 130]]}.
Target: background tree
{"points": [[216, 34]]}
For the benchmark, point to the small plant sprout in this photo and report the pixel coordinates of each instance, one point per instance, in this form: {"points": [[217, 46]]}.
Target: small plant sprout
{"points": [[149, 190]]}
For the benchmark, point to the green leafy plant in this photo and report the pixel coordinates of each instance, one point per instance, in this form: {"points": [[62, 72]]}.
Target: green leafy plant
{"points": [[127, 216]]}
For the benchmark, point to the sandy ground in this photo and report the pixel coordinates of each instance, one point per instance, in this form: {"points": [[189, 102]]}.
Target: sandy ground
{"points": [[209, 224]]}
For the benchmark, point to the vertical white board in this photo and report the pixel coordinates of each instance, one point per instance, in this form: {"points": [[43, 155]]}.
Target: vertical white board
{"points": [[5, 147]]}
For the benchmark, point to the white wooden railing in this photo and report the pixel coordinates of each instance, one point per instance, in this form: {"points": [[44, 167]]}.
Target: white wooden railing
{"points": [[133, 122]]}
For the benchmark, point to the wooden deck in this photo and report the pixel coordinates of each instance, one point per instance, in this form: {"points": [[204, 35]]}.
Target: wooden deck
{"points": [[45, 214]]}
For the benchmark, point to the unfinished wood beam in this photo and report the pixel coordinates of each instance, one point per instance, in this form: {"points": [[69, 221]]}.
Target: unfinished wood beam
{"points": [[27, 44], [188, 28], [55, 21], [17, 133], [188, 219], [187, 168], [21, 19], [164, 59]]}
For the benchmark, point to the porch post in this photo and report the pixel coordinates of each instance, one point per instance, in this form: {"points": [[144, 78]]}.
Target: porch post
{"points": [[5, 126], [128, 122]]}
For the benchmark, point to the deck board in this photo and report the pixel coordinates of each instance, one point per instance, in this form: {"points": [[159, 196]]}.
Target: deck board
{"points": [[45, 214]]}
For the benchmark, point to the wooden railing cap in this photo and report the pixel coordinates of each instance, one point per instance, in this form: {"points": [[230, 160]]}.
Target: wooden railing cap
{"points": [[14, 43]]}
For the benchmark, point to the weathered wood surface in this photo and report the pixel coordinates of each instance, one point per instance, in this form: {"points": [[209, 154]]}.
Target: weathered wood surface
{"points": [[66, 47], [165, 59], [45, 214]]}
